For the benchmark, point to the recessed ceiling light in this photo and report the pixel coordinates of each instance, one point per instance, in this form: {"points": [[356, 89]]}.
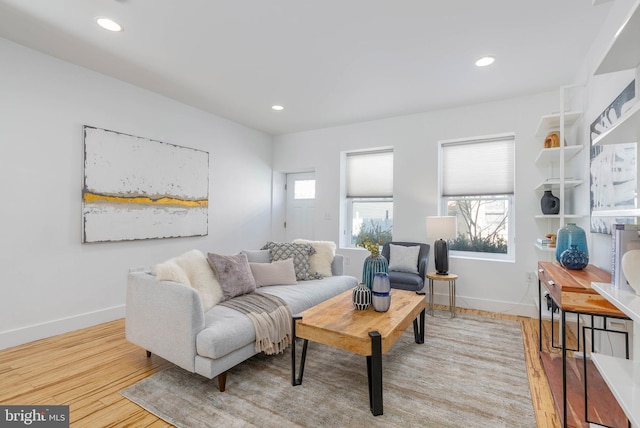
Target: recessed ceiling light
{"points": [[484, 61], [277, 107], [108, 24]]}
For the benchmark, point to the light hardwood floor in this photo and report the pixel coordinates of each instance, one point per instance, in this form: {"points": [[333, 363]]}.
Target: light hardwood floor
{"points": [[87, 368]]}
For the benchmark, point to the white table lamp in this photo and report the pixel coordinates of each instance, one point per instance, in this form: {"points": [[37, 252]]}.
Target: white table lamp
{"points": [[442, 228]]}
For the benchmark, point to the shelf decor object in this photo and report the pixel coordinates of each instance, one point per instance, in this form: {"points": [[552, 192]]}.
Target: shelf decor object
{"points": [[569, 235], [631, 269], [549, 204], [361, 297], [573, 258], [375, 262], [373, 265], [381, 292], [444, 227]]}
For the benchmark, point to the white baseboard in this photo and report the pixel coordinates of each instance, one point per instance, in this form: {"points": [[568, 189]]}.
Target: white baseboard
{"points": [[30, 333], [511, 308]]}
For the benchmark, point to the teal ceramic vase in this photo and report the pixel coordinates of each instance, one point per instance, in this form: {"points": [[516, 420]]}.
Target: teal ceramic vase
{"points": [[371, 266], [569, 235]]}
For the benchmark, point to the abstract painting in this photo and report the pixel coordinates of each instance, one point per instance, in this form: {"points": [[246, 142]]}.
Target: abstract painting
{"points": [[137, 188], [613, 184], [614, 111], [613, 167]]}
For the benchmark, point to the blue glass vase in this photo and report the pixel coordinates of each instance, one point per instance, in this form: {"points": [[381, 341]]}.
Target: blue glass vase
{"points": [[371, 266], [381, 292], [571, 235], [574, 259]]}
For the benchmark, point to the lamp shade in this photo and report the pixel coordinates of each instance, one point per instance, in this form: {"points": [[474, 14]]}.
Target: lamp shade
{"points": [[442, 227]]}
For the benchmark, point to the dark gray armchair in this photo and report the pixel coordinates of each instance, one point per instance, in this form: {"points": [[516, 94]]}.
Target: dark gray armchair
{"points": [[406, 280]]}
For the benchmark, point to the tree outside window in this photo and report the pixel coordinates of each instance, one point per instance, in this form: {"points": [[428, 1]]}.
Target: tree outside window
{"points": [[482, 224]]}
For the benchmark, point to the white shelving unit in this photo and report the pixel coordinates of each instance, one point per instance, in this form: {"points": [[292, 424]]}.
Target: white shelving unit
{"points": [[625, 130], [554, 160], [553, 154], [623, 52], [557, 216], [622, 376], [551, 122], [554, 184]]}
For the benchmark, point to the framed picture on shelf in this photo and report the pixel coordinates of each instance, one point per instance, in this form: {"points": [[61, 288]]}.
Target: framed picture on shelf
{"points": [[614, 111], [613, 168], [613, 184]]}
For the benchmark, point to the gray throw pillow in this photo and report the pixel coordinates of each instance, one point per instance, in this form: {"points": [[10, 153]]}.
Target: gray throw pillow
{"points": [[298, 252], [234, 274], [258, 256], [403, 259], [280, 272]]}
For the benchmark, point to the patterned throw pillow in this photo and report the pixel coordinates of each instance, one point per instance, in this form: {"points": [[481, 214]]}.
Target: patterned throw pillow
{"points": [[298, 252]]}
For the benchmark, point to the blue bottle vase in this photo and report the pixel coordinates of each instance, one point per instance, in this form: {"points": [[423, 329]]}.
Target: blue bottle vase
{"points": [[573, 258], [571, 235], [381, 292], [371, 266]]}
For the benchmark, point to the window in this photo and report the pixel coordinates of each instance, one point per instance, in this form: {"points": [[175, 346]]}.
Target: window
{"points": [[477, 187], [304, 189], [369, 193]]}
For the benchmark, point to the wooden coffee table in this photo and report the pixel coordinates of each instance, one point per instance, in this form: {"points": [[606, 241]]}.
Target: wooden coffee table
{"points": [[335, 322]]}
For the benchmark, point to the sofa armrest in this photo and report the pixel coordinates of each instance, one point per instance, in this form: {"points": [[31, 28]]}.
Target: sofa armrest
{"points": [[164, 318], [337, 265]]}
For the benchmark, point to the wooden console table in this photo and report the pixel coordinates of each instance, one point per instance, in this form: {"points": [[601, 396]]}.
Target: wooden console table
{"points": [[572, 293]]}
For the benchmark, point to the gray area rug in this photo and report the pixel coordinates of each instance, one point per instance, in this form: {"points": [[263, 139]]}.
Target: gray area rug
{"points": [[470, 372]]}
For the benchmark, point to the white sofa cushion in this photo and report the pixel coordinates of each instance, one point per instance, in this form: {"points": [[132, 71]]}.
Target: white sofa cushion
{"points": [[192, 269], [228, 330], [320, 262]]}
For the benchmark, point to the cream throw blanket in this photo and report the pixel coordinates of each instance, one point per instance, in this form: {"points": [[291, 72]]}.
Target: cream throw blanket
{"points": [[271, 318]]}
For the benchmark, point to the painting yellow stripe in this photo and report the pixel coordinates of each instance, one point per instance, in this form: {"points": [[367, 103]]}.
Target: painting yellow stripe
{"points": [[143, 200]]}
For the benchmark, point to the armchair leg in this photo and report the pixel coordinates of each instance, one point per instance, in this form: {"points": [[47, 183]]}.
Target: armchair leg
{"points": [[148, 354], [222, 381]]}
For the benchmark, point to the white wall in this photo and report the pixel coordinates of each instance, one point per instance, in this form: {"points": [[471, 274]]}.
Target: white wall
{"points": [[52, 283], [489, 285], [601, 90]]}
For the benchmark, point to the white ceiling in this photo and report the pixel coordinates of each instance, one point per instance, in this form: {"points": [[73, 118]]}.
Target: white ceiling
{"points": [[329, 62]]}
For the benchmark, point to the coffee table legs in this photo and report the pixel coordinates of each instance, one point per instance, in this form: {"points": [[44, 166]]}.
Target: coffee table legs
{"points": [[374, 373], [418, 328], [374, 361], [297, 380]]}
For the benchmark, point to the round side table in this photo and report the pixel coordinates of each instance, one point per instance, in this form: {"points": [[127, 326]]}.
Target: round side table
{"points": [[451, 278]]}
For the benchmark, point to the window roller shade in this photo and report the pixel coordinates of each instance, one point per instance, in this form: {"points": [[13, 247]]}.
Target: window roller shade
{"points": [[478, 168], [370, 174]]}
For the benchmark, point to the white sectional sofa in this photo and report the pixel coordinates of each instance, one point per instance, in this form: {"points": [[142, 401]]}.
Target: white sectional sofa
{"points": [[169, 319]]}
